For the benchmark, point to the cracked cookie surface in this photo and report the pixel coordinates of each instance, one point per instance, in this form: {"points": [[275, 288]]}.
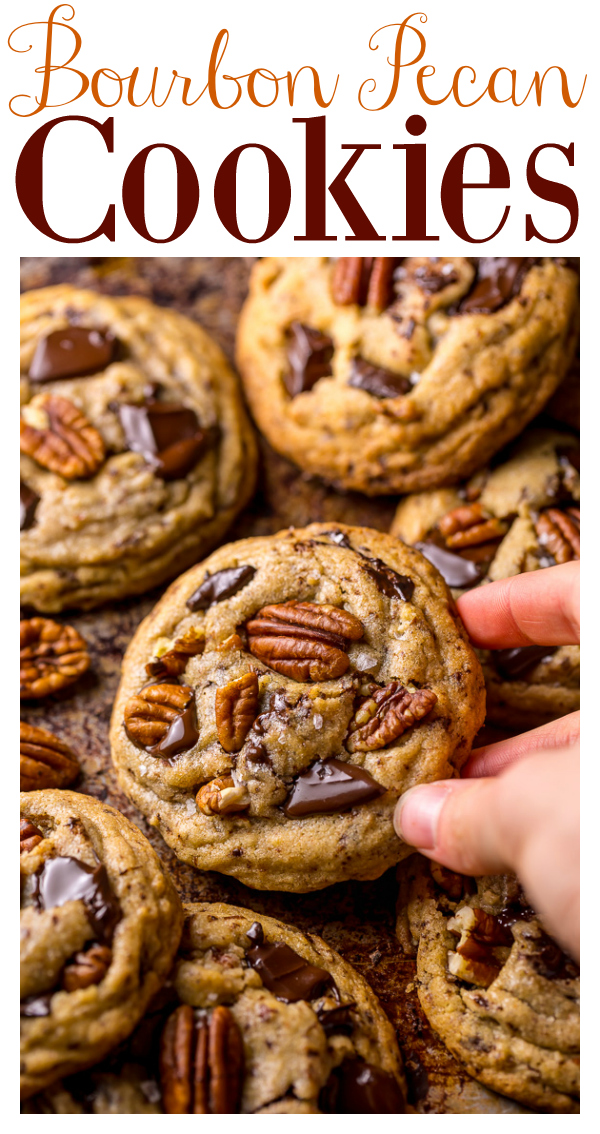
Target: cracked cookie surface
{"points": [[136, 453], [407, 376], [100, 924], [283, 694], [497, 989], [521, 514]]}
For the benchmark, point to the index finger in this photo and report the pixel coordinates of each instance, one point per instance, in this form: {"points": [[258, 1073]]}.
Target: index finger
{"points": [[539, 607]]}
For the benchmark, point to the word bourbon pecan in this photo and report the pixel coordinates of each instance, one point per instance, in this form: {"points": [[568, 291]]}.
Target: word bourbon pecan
{"points": [[59, 436], [201, 1062], [149, 715], [384, 715], [87, 968], [367, 281], [45, 761], [303, 640], [30, 836], [558, 532], [235, 709], [52, 656], [222, 796]]}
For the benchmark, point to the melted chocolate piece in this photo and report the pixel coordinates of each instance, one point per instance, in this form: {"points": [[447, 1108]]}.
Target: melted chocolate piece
{"points": [[498, 279], [331, 786], [376, 381], [389, 582], [221, 585], [168, 436], [72, 353], [431, 280], [457, 572], [255, 933], [338, 537], [336, 1021], [181, 736], [515, 911], [515, 663], [29, 503], [37, 1005], [360, 1088], [551, 962], [418, 1079], [287, 975], [256, 753], [309, 355], [66, 879]]}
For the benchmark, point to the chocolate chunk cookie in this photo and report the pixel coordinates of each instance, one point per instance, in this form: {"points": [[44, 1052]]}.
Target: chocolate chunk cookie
{"points": [[520, 515], [498, 990], [283, 694], [136, 451], [259, 1018], [388, 375], [100, 924]]}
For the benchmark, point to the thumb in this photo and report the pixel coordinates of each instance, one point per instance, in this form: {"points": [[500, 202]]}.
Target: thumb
{"points": [[456, 823]]}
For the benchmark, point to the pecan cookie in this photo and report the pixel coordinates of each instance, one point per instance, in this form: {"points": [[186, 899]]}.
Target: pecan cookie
{"points": [[136, 451], [520, 515], [100, 924], [497, 989], [258, 1018], [388, 375], [283, 694]]}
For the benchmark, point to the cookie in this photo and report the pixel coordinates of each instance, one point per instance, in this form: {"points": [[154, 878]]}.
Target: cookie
{"points": [[283, 694], [388, 375], [519, 515], [136, 451], [259, 1018], [100, 925], [496, 988]]}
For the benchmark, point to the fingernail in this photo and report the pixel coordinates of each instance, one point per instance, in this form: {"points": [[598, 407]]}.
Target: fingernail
{"points": [[417, 814]]}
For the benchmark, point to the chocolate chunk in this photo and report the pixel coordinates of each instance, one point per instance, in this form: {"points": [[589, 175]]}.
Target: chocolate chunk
{"points": [[309, 355], [182, 735], [338, 537], [515, 911], [72, 353], [287, 975], [29, 503], [377, 381], [515, 663], [336, 1021], [37, 1005], [168, 436], [331, 786], [498, 279], [65, 879], [221, 585], [457, 572], [418, 1079], [256, 753], [550, 961], [360, 1088], [432, 279], [255, 933], [389, 582]]}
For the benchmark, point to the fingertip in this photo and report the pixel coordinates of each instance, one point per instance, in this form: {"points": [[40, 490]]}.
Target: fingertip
{"points": [[417, 813]]}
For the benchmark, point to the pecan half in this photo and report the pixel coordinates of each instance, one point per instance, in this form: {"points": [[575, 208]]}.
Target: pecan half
{"points": [[171, 662], [384, 715], [88, 967], [222, 796], [45, 761], [304, 640], [149, 715], [52, 656], [30, 835], [235, 709], [201, 1062], [480, 934], [59, 436], [469, 526], [558, 532], [367, 281]]}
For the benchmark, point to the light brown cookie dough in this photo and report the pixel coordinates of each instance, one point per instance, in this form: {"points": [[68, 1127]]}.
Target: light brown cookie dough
{"points": [[519, 515], [258, 1018], [388, 375], [136, 451], [100, 924], [319, 674], [496, 988]]}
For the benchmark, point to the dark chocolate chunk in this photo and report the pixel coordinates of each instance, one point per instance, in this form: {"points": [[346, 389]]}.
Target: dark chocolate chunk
{"points": [[360, 1088], [168, 436], [377, 381], [309, 355], [389, 582], [515, 663], [336, 1021], [497, 280], [338, 537], [418, 1079], [256, 753], [432, 278], [181, 736], [331, 785], [64, 879], [29, 503], [513, 912], [287, 975], [255, 933], [72, 353], [221, 585], [457, 572], [37, 1005]]}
